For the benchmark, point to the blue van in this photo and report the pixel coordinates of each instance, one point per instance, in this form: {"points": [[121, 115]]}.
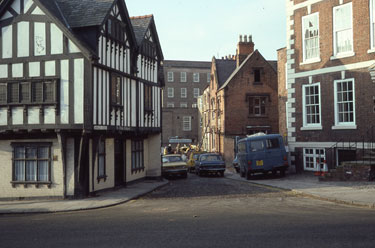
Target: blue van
{"points": [[262, 153]]}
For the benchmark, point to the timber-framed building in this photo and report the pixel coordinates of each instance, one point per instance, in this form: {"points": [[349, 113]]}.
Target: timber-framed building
{"points": [[80, 97]]}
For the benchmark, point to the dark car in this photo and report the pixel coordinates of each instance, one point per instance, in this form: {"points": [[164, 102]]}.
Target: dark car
{"points": [[210, 163], [236, 164]]}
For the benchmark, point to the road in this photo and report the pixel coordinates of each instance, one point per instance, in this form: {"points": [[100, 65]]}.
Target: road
{"points": [[199, 212]]}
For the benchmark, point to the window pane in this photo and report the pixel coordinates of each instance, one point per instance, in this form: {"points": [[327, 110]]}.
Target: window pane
{"points": [[31, 152], [30, 170], [19, 170], [19, 152], [43, 171], [3, 93], [101, 166], [43, 153], [14, 93], [37, 92], [25, 92]]}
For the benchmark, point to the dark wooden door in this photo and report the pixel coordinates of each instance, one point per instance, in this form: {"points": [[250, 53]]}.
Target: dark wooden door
{"points": [[119, 162]]}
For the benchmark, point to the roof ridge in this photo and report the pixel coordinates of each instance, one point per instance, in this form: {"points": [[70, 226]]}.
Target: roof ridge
{"points": [[142, 17]]}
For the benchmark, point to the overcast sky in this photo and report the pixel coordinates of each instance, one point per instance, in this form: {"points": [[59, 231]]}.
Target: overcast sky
{"points": [[201, 29]]}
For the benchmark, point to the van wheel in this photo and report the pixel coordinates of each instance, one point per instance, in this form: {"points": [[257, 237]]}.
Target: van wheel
{"points": [[282, 173], [248, 175]]}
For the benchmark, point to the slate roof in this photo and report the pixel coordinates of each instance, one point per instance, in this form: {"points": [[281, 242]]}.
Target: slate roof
{"points": [[187, 64], [140, 25], [224, 68]]}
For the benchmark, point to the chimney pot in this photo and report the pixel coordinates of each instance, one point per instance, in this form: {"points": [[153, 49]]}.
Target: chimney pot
{"points": [[240, 38], [250, 38], [245, 38]]}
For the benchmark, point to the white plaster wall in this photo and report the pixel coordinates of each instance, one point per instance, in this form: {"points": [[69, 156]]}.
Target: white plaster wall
{"points": [[34, 69], [50, 68], [23, 39], [56, 40], [33, 115], [39, 39], [17, 115], [78, 90], [49, 115], [17, 70], [73, 48], [70, 167], [154, 156], [7, 41], [3, 116], [6, 189], [3, 71], [64, 92], [16, 6], [27, 4]]}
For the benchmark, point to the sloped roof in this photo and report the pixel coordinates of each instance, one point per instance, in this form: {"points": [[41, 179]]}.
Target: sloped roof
{"points": [[273, 64], [224, 68], [187, 64], [140, 26]]}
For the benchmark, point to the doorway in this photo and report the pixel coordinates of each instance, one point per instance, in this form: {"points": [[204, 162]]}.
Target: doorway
{"points": [[120, 172]]}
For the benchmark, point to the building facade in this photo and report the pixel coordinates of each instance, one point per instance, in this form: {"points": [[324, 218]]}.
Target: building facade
{"points": [[184, 83], [80, 97], [331, 96], [241, 100]]}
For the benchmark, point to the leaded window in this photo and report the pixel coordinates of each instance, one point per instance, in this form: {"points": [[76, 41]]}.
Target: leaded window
{"points": [[137, 155], [31, 162]]}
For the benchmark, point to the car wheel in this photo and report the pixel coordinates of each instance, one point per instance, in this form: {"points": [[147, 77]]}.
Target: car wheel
{"points": [[184, 175], [237, 170]]}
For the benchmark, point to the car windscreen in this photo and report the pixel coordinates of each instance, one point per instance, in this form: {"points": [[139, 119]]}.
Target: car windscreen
{"points": [[210, 158], [172, 159]]}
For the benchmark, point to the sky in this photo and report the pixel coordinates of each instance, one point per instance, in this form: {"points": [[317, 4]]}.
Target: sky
{"points": [[197, 30]]}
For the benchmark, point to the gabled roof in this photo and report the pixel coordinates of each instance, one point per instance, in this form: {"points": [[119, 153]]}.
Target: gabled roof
{"points": [[224, 68], [273, 65], [141, 24]]}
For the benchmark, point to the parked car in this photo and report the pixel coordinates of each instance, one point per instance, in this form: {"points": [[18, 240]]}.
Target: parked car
{"points": [[173, 165], [236, 164], [193, 157], [262, 153], [210, 163]]}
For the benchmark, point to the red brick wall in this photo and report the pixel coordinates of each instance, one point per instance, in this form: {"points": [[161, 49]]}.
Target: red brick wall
{"points": [[282, 91]]}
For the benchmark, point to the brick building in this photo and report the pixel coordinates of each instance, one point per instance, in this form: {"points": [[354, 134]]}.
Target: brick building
{"points": [[184, 83], [282, 91], [241, 99], [330, 54]]}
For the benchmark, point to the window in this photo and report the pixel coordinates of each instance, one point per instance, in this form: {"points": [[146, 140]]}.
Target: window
{"points": [[170, 105], [272, 143], [183, 93], [35, 92], [256, 76], [343, 29], [196, 92], [116, 29], [186, 123], [257, 106], [310, 32], [372, 23], [170, 92], [137, 155], [148, 99], [183, 105], [183, 77], [208, 77], [311, 105], [31, 163], [196, 77], [194, 105], [170, 76], [313, 158], [344, 102], [256, 146], [101, 159], [116, 90]]}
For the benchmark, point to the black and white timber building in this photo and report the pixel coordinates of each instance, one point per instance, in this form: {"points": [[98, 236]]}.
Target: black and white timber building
{"points": [[80, 97]]}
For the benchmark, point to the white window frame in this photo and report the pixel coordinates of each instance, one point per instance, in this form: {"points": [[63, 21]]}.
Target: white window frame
{"points": [[183, 105], [170, 104], [170, 76], [346, 53], [305, 105], [196, 92], [196, 77], [170, 92], [194, 105], [208, 77], [183, 77], [343, 124], [286, 76], [186, 123], [372, 25], [183, 92], [312, 155], [304, 40]]}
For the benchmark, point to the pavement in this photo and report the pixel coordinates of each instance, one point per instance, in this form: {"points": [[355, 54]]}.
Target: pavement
{"points": [[360, 194]]}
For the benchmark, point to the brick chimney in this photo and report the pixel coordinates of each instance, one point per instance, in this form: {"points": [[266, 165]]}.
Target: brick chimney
{"points": [[244, 48]]}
